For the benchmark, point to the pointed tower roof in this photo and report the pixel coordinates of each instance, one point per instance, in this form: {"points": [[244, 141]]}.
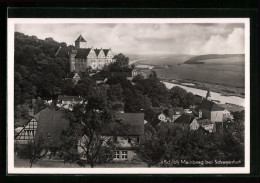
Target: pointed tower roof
{"points": [[80, 39]]}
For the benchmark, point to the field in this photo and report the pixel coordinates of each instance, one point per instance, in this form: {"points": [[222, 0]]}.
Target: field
{"points": [[228, 71]]}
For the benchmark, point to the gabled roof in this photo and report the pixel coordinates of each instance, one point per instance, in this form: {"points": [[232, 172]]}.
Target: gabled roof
{"points": [[69, 98], [51, 124], [175, 110], [106, 51], [204, 122], [63, 52], [82, 53], [80, 39], [97, 51], [195, 112], [36, 116], [76, 75], [184, 118], [99, 77], [135, 122], [211, 106]]}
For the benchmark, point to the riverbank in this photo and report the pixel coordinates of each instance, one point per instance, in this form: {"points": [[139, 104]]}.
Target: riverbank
{"points": [[220, 99], [223, 90]]}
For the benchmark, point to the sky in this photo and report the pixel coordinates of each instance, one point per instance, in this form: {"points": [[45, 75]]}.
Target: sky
{"points": [[154, 38]]}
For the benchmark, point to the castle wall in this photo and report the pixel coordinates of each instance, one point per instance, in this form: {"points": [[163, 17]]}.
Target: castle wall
{"points": [[92, 60]]}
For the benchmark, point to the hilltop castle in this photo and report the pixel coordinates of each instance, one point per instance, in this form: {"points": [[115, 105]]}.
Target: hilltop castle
{"points": [[81, 57]]}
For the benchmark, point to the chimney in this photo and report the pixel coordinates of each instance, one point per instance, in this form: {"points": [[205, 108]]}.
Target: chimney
{"points": [[31, 112]]}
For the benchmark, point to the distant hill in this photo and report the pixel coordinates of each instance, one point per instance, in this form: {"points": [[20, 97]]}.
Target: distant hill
{"points": [[201, 59]]}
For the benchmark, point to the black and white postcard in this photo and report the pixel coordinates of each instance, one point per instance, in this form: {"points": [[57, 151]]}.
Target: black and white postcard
{"points": [[128, 96]]}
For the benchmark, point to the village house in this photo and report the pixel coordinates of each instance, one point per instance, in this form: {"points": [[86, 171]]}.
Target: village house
{"points": [[127, 141], [76, 78], [197, 113], [186, 122], [213, 111], [81, 57], [133, 74], [198, 99], [27, 133], [99, 78], [50, 125], [171, 115], [47, 123], [68, 102], [188, 111], [145, 73], [47, 101], [207, 125]]}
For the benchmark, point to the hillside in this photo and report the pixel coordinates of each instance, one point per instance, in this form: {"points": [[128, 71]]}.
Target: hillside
{"points": [[161, 59], [38, 72], [202, 59]]}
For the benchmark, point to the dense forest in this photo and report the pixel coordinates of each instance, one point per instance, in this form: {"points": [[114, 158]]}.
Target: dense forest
{"points": [[38, 73]]}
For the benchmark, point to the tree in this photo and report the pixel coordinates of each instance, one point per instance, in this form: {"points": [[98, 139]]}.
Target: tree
{"points": [[115, 96], [153, 74], [34, 151], [121, 60], [89, 139], [180, 97], [155, 90], [135, 101], [150, 148], [239, 115], [38, 72], [113, 80], [137, 78]]}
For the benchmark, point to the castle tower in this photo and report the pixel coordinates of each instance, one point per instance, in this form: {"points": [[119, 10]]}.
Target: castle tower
{"points": [[80, 42], [208, 95]]}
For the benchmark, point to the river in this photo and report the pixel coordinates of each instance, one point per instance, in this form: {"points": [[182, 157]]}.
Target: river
{"points": [[214, 96]]}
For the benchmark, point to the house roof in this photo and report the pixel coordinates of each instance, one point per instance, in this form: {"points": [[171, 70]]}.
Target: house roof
{"points": [[99, 77], [204, 122], [69, 98], [211, 106], [174, 111], [76, 74], [184, 118], [51, 124], [82, 53], [135, 122], [106, 51], [195, 112], [97, 51], [232, 107], [80, 39]]}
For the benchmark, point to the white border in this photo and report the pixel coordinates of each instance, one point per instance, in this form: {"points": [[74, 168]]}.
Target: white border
{"points": [[10, 99]]}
